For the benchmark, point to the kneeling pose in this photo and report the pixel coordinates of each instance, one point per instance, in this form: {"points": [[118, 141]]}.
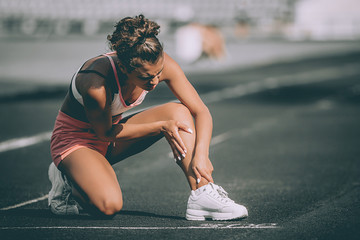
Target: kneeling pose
{"points": [[91, 134]]}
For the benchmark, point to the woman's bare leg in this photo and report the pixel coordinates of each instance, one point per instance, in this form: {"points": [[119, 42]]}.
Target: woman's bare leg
{"points": [[95, 179], [169, 111]]}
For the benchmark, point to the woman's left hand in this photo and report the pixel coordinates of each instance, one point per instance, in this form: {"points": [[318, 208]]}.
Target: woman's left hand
{"points": [[202, 167]]}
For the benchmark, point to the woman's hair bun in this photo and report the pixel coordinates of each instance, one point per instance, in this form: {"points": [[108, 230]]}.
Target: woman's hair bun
{"points": [[133, 30], [130, 35]]}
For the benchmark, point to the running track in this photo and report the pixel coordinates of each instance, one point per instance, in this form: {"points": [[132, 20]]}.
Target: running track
{"points": [[286, 145]]}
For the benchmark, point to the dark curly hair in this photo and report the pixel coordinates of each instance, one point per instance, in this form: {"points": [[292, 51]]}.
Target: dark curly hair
{"points": [[135, 41]]}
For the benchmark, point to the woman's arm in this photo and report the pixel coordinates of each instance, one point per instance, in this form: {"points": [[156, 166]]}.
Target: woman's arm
{"points": [[97, 104], [185, 92]]}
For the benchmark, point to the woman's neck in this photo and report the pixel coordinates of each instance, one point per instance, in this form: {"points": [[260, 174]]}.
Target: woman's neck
{"points": [[129, 92]]}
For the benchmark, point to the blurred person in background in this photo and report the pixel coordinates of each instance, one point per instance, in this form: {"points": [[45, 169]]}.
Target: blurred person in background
{"points": [[242, 26], [91, 133], [195, 40]]}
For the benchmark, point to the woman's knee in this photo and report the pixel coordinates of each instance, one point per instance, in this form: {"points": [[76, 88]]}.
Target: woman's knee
{"points": [[110, 205], [179, 112]]}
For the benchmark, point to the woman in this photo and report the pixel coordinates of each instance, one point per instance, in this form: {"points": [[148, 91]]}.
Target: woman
{"points": [[90, 134]]}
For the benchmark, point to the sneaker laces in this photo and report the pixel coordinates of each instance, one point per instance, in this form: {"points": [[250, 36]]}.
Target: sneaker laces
{"points": [[66, 198], [66, 194], [221, 194]]}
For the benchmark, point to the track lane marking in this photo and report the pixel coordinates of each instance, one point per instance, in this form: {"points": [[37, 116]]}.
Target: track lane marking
{"points": [[25, 203], [17, 143], [203, 226]]}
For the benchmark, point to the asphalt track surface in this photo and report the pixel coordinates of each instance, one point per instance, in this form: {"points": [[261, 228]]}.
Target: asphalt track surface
{"points": [[285, 144]]}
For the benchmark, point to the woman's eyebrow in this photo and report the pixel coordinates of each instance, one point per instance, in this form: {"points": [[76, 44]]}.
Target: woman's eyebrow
{"points": [[148, 76]]}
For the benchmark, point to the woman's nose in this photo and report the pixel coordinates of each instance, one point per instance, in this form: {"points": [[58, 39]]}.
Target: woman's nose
{"points": [[155, 80]]}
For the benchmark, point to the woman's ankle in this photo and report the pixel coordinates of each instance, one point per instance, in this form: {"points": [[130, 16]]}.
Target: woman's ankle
{"points": [[194, 185]]}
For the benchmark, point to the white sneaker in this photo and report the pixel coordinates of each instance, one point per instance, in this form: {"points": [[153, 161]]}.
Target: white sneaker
{"points": [[60, 200], [211, 201]]}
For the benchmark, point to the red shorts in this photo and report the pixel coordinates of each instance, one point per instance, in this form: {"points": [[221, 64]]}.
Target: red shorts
{"points": [[71, 134]]}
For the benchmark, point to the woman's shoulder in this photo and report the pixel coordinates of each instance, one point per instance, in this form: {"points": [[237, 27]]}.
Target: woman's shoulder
{"points": [[168, 61], [170, 64], [99, 63], [94, 76], [171, 67]]}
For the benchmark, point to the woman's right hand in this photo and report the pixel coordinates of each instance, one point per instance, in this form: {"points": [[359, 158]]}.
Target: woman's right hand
{"points": [[171, 130]]}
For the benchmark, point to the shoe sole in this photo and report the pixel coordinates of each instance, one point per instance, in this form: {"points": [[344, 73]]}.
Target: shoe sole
{"points": [[69, 212], [201, 215]]}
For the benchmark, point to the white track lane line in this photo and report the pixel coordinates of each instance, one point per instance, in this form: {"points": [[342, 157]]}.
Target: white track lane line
{"points": [[203, 226], [25, 203], [24, 142]]}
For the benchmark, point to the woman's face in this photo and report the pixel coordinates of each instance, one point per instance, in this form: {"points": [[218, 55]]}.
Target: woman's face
{"points": [[147, 76]]}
